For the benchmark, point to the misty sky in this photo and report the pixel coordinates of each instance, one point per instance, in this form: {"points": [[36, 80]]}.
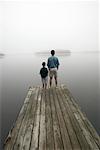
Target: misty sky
{"points": [[49, 24]]}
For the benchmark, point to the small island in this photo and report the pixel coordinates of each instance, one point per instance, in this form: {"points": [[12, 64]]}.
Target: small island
{"points": [[2, 54], [58, 52]]}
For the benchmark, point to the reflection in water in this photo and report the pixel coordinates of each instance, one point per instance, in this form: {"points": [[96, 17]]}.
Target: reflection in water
{"points": [[79, 72]]}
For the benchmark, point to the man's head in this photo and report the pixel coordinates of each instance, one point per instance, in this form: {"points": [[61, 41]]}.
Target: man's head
{"points": [[43, 64], [52, 52]]}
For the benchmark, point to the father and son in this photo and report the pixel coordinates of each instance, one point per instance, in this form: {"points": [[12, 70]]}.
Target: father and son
{"points": [[53, 65]]}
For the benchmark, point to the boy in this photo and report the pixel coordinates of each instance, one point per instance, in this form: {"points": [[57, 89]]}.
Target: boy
{"points": [[44, 75]]}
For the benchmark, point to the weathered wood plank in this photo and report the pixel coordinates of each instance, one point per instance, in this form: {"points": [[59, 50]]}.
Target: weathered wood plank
{"points": [[35, 132], [42, 136], [83, 142], [22, 130], [73, 138], [10, 141], [64, 133], [30, 124], [49, 123], [84, 118], [81, 120], [56, 128]]}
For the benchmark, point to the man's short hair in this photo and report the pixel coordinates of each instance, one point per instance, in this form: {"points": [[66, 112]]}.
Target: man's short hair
{"points": [[52, 52]]}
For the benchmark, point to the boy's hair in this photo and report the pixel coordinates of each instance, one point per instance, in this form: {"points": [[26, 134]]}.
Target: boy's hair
{"points": [[52, 52], [43, 64]]}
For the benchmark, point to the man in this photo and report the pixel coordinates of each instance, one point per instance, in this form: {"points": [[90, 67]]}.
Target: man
{"points": [[53, 65]]}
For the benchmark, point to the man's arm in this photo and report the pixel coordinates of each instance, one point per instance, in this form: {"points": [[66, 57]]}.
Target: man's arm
{"points": [[48, 64]]}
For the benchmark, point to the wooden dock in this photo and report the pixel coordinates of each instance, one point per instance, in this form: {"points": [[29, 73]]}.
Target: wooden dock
{"points": [[51, 120]]}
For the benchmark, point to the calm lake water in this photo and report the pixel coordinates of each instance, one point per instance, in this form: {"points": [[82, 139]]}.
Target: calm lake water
{"points": [[78, 71]]}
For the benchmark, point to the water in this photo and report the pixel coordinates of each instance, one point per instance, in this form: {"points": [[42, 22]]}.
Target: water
{"points": [[78, 71]]}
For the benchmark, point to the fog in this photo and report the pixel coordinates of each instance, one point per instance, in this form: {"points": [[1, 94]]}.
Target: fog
{"points": [[29, 26]]}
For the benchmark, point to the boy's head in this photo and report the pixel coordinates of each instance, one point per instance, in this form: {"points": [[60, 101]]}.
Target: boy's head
{"points": [[43, 64], [52, 52]]}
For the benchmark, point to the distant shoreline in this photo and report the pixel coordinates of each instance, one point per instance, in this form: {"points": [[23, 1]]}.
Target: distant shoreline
{"points": [[57, 51], [63, 52]]}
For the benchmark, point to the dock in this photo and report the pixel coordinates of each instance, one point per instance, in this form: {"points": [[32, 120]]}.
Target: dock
{"points": [[50, 119]]}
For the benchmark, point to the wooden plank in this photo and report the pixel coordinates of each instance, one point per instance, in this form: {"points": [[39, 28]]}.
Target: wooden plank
{"points": [[81, 119], [64, 133], [10, 141], [56, 128], [30, 124], [42, 136], [35, 132], [93, 132], [19, 141], [85, 130], [83, 142], [89, 126], [73, 138], [49, 125]]}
